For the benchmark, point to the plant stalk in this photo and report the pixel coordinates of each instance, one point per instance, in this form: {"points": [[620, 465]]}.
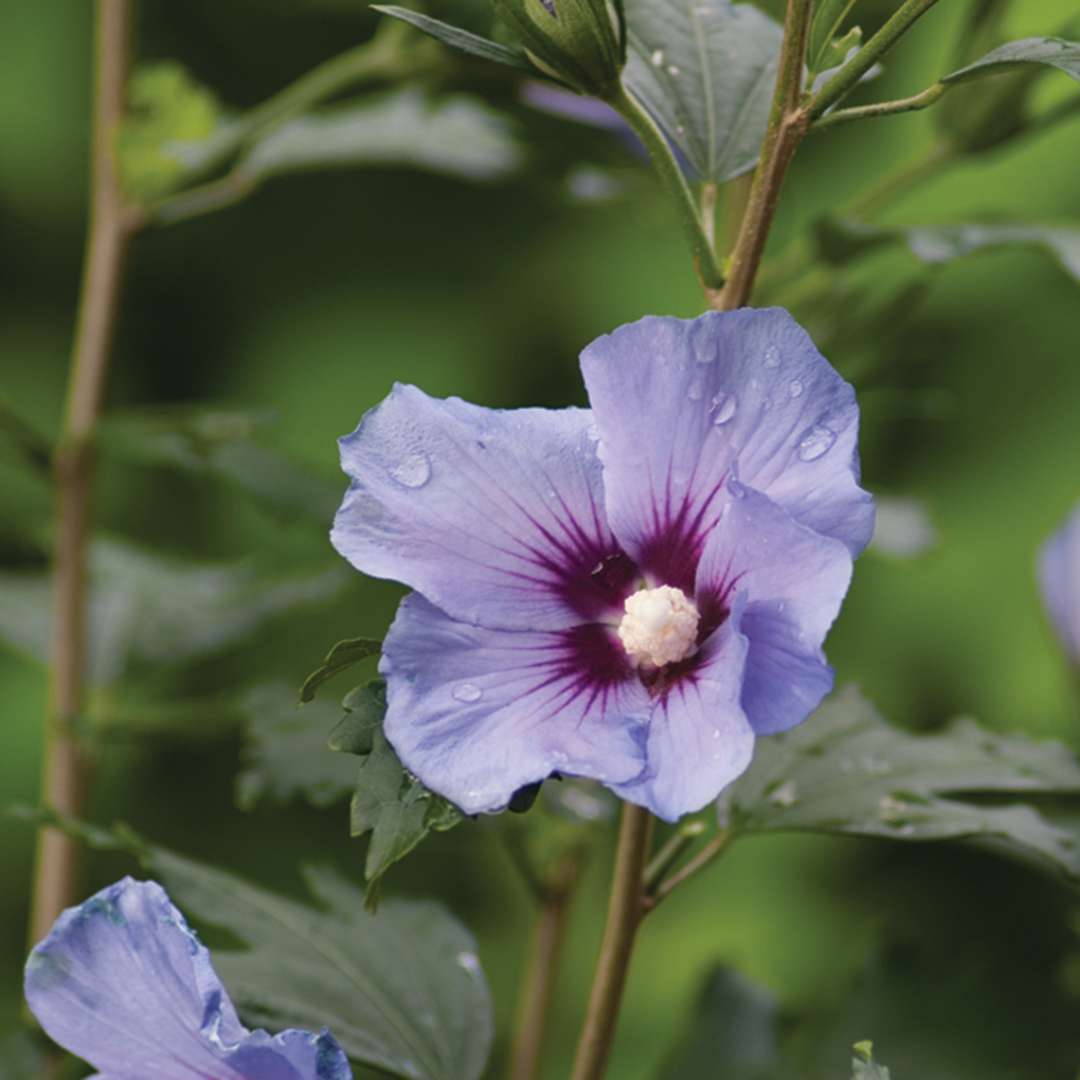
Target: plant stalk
{"points": [[849, 75], [626, 907], [66, 778], [545, 952], [787, 125], [913, 103]]}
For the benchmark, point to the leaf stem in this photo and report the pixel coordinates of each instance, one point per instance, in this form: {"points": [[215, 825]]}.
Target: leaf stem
{"points": [[705, 857], [670, 853], [625, 910], [66, 778], [849, 75], [545, 952], [786, 128], [913, 103], [671, 177]]}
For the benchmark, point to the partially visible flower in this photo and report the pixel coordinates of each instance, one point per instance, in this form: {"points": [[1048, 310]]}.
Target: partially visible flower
{"points": [[631, 593], [1059, 576], [122, 983]]}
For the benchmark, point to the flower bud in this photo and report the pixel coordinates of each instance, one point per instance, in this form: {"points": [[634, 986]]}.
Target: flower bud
{"points": [[581, 43]]}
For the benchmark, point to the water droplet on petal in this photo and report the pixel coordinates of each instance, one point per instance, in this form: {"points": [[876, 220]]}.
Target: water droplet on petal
{"points": [[412, 471], [772, 357], [696, 390], [467, 692], [723, 408], [795, 388], [816, 442], [657, 57]]}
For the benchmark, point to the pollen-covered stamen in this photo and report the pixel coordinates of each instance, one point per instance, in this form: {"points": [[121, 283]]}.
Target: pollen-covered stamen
{"points": [[660, 626]]}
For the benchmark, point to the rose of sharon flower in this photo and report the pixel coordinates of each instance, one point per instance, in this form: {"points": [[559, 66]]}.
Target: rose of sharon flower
{"points": [[122, 983], [630, 593], [1059, 576]]}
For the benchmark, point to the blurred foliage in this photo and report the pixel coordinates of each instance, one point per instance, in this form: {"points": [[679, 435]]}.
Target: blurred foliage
{"points": [[250, 339]]}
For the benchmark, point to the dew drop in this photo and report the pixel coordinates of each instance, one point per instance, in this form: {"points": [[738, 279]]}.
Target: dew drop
{"points": [[466, 692], [657, 57], [696, 390], [673, 71], [412, 471], [723, 408], [469, 961], [772, 357], [795, 388], [816, 442]]}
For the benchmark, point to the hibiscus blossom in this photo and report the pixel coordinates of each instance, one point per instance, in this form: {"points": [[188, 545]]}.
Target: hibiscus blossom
{"points": [[121, 982], [630, 593]]}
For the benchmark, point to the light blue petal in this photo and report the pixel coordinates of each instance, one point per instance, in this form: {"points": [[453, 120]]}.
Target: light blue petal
{"points": [[496, 517], [794, 581], [699, 737], [478, 713], [681, 406], [122, 982]]}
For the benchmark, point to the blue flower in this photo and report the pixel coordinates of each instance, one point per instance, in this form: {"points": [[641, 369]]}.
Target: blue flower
{"points": [[122, 983], [1059, 577], [629, 593]]}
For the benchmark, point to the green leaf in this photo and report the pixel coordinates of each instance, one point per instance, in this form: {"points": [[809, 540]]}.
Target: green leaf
{"points": [[145, 609], [461, 40], [172, 131], [840, 240], [705, 70], [402, 991], [223, 444], [846, 771], [862, 1064], [457, 135], [396, 809], [341, 657], [734, 1033], [286, 755], [1051, 51], [365, 707]]}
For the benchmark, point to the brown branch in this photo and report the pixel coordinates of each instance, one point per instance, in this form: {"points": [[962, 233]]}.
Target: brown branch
{"points": [[66, 767]]}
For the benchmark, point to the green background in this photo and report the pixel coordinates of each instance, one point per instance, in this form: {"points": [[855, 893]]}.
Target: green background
{"points": [[311, 297]]}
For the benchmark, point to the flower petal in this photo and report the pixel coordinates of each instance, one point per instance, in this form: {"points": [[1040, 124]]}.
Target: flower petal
{"points": [[122, 982], [477, 714], [1059, 578], [495, 516], [699, 737], [794, 580], [681, 405]]}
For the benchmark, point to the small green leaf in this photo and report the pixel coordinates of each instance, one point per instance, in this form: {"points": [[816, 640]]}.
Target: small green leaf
{"points": [[341, 657], [396, 809], [461, 40], [365, 707], [846, 771], [456, 135], [286, 753], [1051, 51], [705, 70], [172, 131], [223, 444], [862, 1064]]}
